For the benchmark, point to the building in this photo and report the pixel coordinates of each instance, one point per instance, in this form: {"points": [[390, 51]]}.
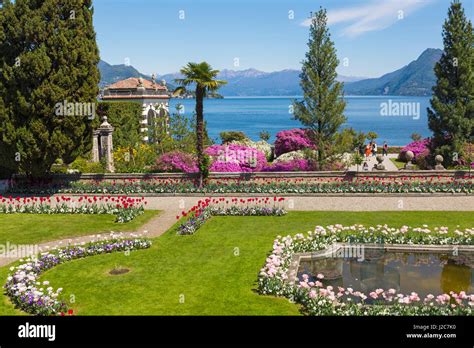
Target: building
{"points": [[153, 96]]}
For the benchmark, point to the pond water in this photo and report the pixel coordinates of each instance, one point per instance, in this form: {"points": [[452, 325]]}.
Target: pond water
{"points": [[422, 272]]}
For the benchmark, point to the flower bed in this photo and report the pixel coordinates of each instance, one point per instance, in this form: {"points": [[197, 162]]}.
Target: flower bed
{"points": [[124, 208], [268, 186], [29, 295], [204, 209], [317, 299]]}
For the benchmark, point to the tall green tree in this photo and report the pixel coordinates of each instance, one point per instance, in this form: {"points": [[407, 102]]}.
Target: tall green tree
{"points": [[48, 55], [203, 78], [451, 116], [322, 109]]}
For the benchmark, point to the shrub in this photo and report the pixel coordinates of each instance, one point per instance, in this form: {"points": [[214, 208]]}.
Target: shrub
{"points": [[261, 145], [420, 147], [176, 161], [230, 136], [290, 166], [134, 160], [247, 158], [290, 156], [82, 165], [292, 140], [225, 167]]}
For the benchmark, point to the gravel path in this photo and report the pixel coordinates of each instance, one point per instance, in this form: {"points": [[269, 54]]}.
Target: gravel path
{"points": [[371, 161]]}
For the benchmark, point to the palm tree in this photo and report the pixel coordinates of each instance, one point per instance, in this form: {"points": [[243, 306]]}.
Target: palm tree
{"points": [[202, 76]]}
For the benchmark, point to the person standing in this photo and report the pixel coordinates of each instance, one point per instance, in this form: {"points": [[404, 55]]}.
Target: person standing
{"points": [[385, 149], [374, 149], [368, 150]]}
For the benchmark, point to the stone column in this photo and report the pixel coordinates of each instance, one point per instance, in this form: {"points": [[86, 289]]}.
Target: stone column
{"points": [[95, 146], [106, 144]]}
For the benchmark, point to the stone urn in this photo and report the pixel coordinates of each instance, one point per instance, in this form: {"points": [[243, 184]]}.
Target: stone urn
{"points": [[439, 162], [409, 155], [379, 165]]}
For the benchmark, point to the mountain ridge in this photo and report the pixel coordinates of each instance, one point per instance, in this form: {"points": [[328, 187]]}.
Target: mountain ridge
{"points": [[413, 79]]}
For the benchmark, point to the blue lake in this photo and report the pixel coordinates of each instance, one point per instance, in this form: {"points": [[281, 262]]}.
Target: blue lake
{"points": [[273, 114]]}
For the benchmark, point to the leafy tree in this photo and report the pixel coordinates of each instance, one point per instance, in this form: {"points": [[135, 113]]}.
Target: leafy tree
{"points": [[451, 116], [202, 77], [48, 55], [372, 136], [229, 136], [264, 135], [126, 119], [321, 109], [416, 137], [349, 140]]}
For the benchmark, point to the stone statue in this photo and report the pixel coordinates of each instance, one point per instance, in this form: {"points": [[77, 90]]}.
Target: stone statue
{"points": [[439, 162], [409, 155], [379, 165]]}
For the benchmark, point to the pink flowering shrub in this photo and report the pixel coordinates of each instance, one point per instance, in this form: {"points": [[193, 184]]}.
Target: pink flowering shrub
{"points": [[419, 148], [290, 166], [292, 140], [224, 167], [176, 161], [235, 158]]}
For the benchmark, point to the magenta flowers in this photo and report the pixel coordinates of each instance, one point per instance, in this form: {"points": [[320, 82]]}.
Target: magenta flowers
{"points": [[235, 158], [292, 140], [419, 147], [177, 161]]}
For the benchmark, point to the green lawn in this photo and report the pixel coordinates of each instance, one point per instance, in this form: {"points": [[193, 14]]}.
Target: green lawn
{"points": [[37, 228], [401, 164], [205, 271]]}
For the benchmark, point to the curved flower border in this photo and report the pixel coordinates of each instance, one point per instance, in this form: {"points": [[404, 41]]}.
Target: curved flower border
{"points": [[319, 300], [205, 209], [29, 295]]}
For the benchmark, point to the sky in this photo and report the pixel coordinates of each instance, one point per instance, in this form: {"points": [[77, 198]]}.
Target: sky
{"points": [[372, 37]]}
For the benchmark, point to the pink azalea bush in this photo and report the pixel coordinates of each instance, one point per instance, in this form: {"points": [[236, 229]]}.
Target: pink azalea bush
{"points": [[176, 161], [235, 158], [292, 140], [224, 167], [419, 148], [290, 166]]}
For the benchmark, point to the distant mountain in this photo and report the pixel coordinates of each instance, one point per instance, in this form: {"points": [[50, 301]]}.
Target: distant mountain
{"points": [[113, 73], [414, 79], [252, 82]]}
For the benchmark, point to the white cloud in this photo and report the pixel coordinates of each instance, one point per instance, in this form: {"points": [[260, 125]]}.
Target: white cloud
{"points": [[376, 15]]}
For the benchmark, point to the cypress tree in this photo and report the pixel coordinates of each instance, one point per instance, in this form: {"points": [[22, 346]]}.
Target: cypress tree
{"points": [[48, 55], [322, 109], [451, 116]]}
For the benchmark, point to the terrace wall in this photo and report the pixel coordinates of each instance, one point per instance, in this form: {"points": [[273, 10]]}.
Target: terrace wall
{"points": [[348, 175]]}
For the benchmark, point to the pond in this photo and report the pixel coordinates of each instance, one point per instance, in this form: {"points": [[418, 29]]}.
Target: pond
{"points": [[427, 272]]}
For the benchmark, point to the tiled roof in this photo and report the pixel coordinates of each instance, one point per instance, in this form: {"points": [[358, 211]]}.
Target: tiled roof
{"points": [[154, 96], [133, 82]]}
